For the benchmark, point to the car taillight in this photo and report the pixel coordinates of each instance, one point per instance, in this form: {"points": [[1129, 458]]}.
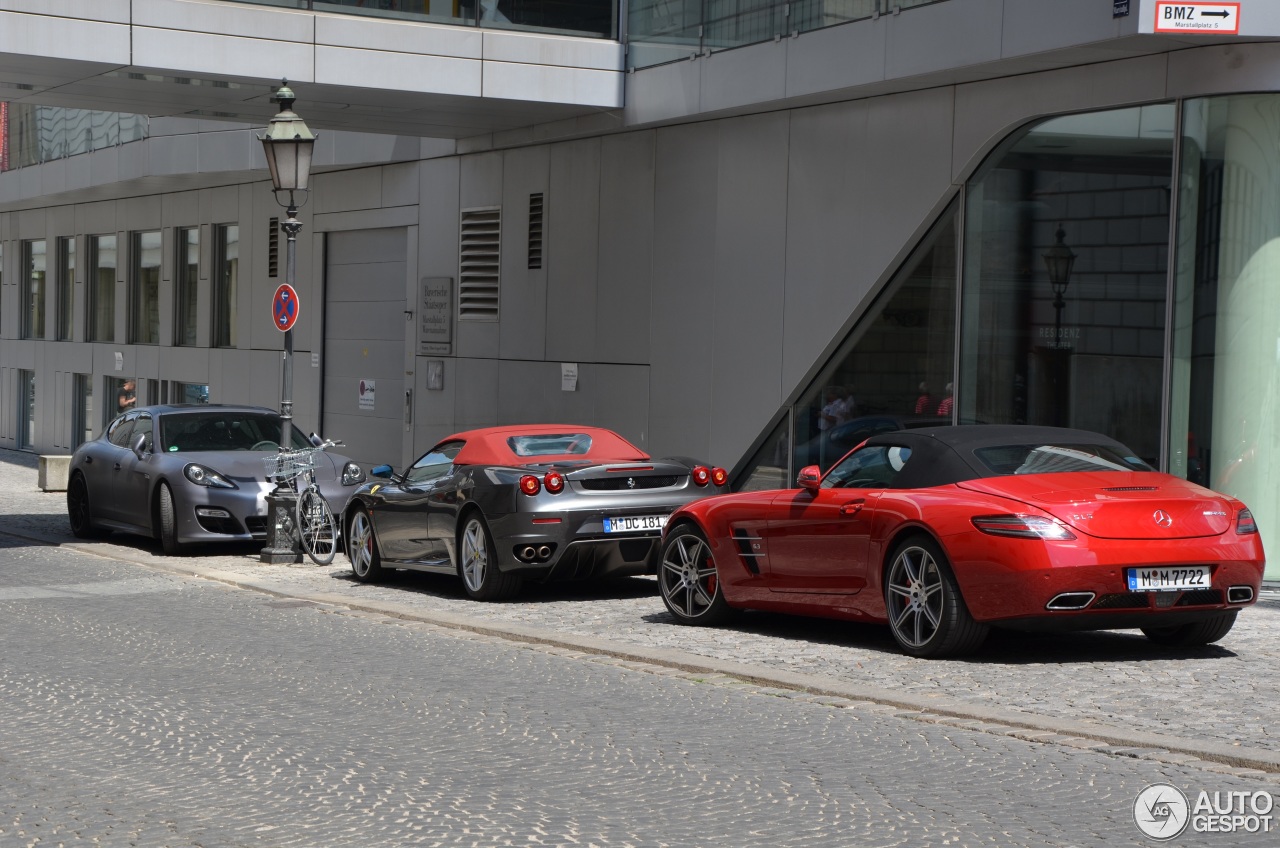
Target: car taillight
{"points": [[701, 475], [1023, 527], [554, 482], [1245, 523], [719, 476], [530, 485]]}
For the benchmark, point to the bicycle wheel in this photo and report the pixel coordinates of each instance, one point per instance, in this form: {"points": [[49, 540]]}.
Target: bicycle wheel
{"points": [[317, 529]]}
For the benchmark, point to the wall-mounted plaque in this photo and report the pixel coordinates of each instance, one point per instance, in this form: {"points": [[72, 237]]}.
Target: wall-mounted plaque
{"points": [[435, 316]]}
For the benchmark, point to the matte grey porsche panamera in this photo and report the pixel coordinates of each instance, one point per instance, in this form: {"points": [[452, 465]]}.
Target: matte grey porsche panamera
{"points": [[504, 505], [188, 473]]}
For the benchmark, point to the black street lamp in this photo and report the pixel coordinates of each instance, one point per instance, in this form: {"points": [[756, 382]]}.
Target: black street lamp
{"points": [[288, 144], [1059, 261]]}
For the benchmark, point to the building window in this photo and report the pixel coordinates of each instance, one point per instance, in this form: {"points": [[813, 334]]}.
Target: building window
{"points": [[66, 284], [82, 412], [122, 394], [1079, 343], [226, 273], [33, 288], [187, 286], [144, 288], [26, 409], [190, 392], [102, 289]]}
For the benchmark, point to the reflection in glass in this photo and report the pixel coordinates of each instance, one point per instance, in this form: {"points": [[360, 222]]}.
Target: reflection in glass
{"points": [[34, 262], [1226, 315], [102, 289], [27, 399], [66, 286], [190, 393], [82, 414], [145, 294], [767, 469], [1066, 246], [226, 275], [187, 285], [898, 359]]}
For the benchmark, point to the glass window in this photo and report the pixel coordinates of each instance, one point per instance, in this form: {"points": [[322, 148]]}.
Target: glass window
{"points": [[224, 431], [435, 463], [82, 414], [767, 468], [187, 286], [190, 392], [119, 431], [901, 350], [550, 444], [144, 288], [27, 409], [1226, 310], [33, 288], [870, 468], [226, 273], [66, 283], [1055, 458], [102, 289], [1065, 278]]}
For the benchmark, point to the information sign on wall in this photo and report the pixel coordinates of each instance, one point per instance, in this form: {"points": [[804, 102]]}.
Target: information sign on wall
{"points": [[366, 394], [435, 316], [1205, 18]]}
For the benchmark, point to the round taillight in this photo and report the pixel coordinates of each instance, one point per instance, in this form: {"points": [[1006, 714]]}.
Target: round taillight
{"points": [[719, 476], [554, 482], [701, 475], [530, 485]]}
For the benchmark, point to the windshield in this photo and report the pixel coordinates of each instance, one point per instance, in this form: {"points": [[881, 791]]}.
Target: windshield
{"points": [[550, 444], [1051, 459], [223, 431]]}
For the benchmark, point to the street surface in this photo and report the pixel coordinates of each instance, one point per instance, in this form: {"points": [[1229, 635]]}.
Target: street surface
{"points": [[214, 701]]}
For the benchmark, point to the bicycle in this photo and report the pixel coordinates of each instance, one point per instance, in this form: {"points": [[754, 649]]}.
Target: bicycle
{"points": [[314, 526]]}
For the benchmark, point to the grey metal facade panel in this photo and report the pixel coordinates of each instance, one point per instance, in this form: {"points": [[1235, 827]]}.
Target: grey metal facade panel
{"points": [[476, 394], [835, 57], [523, 316], [1246, 67], [682, 351], [361, 247], [943, 36], [625, 293], [573, 225], [665, 93], [621, 395], [741, 77], [1036, 26], [529, 393]]}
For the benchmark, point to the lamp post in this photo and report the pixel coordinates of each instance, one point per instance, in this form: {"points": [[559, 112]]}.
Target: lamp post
{"points": [[288, 144], [1059, 260]]}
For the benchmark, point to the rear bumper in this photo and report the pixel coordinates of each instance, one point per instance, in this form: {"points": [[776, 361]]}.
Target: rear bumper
{"points": [[577, 548]]}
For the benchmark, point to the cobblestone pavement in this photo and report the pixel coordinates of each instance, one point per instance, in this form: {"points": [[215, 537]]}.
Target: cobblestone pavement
{"points": [[144, 708], [1214, 702]]}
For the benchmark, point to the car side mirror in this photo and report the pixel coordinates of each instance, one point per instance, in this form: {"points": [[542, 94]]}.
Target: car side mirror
{"points": [[315, 440], [384, 471], [810, 478], [139, 445]]}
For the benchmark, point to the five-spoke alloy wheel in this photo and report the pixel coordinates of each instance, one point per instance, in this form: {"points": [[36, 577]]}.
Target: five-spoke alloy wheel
{"points": [[688, 580], [362, 548], [478, 563]]}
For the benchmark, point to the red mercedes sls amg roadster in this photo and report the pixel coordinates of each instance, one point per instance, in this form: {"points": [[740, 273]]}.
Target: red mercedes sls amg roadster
{"points": [[946, 531]]}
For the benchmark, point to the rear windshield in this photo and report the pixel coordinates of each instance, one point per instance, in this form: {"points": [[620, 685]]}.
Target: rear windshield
{"points": [[550, 444], [1048, 459], [223, 431]]}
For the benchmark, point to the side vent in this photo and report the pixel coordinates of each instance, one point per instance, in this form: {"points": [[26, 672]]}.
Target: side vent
{"points": [[536, 204], [273, 248], [749, 548], [478, 281]]}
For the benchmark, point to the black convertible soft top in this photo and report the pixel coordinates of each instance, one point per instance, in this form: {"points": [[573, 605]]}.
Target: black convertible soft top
{"points": [[943, 455]]}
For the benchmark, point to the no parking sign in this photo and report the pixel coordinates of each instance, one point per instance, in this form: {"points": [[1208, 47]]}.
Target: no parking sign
{"points": [[284, 308]]}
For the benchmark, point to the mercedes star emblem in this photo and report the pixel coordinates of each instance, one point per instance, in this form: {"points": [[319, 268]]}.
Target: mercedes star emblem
{"points": [[1163, 518]]}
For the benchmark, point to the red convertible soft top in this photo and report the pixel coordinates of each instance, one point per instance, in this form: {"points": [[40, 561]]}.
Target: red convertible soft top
{"points": [[543, 443]]}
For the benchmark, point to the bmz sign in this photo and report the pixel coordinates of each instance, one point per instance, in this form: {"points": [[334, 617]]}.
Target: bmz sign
{"points": [[1205, 18]]}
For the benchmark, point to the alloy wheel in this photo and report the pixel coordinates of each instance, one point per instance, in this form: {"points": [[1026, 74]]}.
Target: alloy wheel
{"points": [[360, 547], [915, 596], [475, 555], [688, 579]]}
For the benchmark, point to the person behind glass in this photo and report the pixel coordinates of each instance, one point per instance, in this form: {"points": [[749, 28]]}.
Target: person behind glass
{"points": [[947, 403], [835, 409], [924, 401], [128, 397]]}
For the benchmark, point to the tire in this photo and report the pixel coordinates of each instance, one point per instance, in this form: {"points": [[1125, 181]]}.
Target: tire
{"points": [[79, 513], [926, 612], [478, 564], [1196, 633], [168, 521], [362, 548], [689, 583], [317, 529]]}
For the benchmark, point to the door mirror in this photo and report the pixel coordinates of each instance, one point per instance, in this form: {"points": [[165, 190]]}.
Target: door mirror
{"points": [[315, 440], [139, 445], [386, 472], [810, 478]]}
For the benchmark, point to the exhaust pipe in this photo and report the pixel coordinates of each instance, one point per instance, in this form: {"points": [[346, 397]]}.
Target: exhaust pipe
{"points": [[527, 553], [1239, 594], [544, 552], [1070, 601]]}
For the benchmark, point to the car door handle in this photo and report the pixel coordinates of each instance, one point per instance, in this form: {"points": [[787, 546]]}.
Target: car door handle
{"points": [[852, 507], [118, 466]]}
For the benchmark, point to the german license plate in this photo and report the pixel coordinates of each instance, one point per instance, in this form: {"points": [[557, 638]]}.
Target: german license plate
{"points": [[1171, 579], [634, 523]]}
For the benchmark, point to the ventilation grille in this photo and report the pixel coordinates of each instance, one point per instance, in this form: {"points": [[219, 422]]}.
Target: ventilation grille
{"points": [[536, 203], [273, 248], [478, 281]]}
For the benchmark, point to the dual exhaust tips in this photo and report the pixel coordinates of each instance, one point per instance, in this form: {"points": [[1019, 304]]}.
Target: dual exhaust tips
{"points": [[1080, 600], [534, 553]]}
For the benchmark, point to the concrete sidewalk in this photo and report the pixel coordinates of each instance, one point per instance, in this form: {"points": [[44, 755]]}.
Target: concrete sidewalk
{"points": [[1111, 691]]}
